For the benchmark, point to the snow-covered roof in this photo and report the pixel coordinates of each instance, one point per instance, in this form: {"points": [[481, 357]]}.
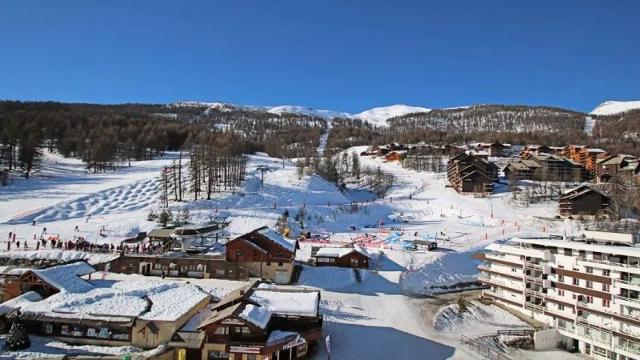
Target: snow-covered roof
{"points": [[279, 335], [337, 251], [301, 303], [257, 315], [278, 239], [192, 324], [18, 302], [67, 277], [147, 300]]}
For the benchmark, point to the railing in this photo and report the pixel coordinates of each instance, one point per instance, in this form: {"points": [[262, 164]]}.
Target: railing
{"points": [[624, 298], [483, 350], [610, 263]]}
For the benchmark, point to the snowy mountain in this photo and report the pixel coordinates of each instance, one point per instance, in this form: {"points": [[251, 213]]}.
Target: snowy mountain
{"points": [[615, 107], [378, 116], [293, 109]]}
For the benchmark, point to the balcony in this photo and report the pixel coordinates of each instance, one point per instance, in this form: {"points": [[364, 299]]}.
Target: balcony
{"points": [[625, 284], [501, 270], [605, 264], [629, 346], [516, 287], [627, 301]]}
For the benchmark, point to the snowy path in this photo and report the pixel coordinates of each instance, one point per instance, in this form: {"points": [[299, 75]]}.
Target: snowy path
{"points": [[589, 124]]}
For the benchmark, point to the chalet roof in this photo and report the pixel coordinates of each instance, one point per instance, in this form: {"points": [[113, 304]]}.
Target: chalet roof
{"points": [[337, 252], [66, 277], [616, 159], [474, 173], [257, 315], [591, 150], [517, 166], [277, 238], [236, 295], [18, 302], [160, 233], [219, 315], [287, 302], [530, 163], [581, 193]]}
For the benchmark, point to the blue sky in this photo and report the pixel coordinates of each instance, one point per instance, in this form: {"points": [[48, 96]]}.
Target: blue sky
{"points": [[346, 55]]}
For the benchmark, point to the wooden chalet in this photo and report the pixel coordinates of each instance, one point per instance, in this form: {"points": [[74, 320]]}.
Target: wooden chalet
{"points": [[265, 253], [185, 266], [547, 167], [340, 257], [257, 322], [395, 156], [521, 170], [470, 174], [162, 235], [626, 167], [424, 245], [496, 148], [583, 201], [52, 280]]}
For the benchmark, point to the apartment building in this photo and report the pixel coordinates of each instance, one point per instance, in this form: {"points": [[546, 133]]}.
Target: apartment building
{"points": [[587, 288]]}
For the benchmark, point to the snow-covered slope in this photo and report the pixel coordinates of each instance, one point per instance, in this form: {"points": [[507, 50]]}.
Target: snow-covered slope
{"points": [[615, 107], [378, 116]]}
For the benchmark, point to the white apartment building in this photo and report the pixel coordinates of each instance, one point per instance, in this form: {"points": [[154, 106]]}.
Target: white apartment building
{"points": [[586, 288]]}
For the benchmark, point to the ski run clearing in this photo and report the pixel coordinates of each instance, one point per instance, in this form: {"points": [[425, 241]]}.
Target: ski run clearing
{"points": [[385, 315]]}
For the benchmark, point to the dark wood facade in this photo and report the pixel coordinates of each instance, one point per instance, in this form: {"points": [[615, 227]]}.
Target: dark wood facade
{"points": [[583, 201], [470, 174], [200, 266], [353, 259]]}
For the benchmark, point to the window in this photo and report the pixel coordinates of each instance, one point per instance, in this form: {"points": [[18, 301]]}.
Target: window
{"points": [[590, 299], [245, 330], [576, 281], [48, 328], [605, 287], [606, 272], [238, 252], [513, 270], [560, 307], [560, 292], [279, 264], [560, 278], [252, 357], [568, 252], [215, 355], [606, 303], [588, 270], [589, 284], [222, 330]]}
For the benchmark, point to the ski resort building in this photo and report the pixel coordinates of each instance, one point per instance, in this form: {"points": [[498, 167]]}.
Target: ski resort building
{"points": [[340, 256], [57, 302], [471, 174], [179, 265], [588, 289], [258, 321], [265, 253], [625, 167], [584, 201]]}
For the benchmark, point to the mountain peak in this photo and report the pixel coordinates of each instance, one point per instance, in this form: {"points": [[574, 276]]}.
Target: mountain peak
{"points": [[615, 107]]}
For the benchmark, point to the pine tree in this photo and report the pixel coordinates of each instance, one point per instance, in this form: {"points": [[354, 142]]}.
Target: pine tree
{"points": [[17, 339]]}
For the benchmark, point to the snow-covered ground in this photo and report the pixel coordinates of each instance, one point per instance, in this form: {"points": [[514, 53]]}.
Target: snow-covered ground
{"points": [[589, 124], [374, 318], [615, 107]]}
